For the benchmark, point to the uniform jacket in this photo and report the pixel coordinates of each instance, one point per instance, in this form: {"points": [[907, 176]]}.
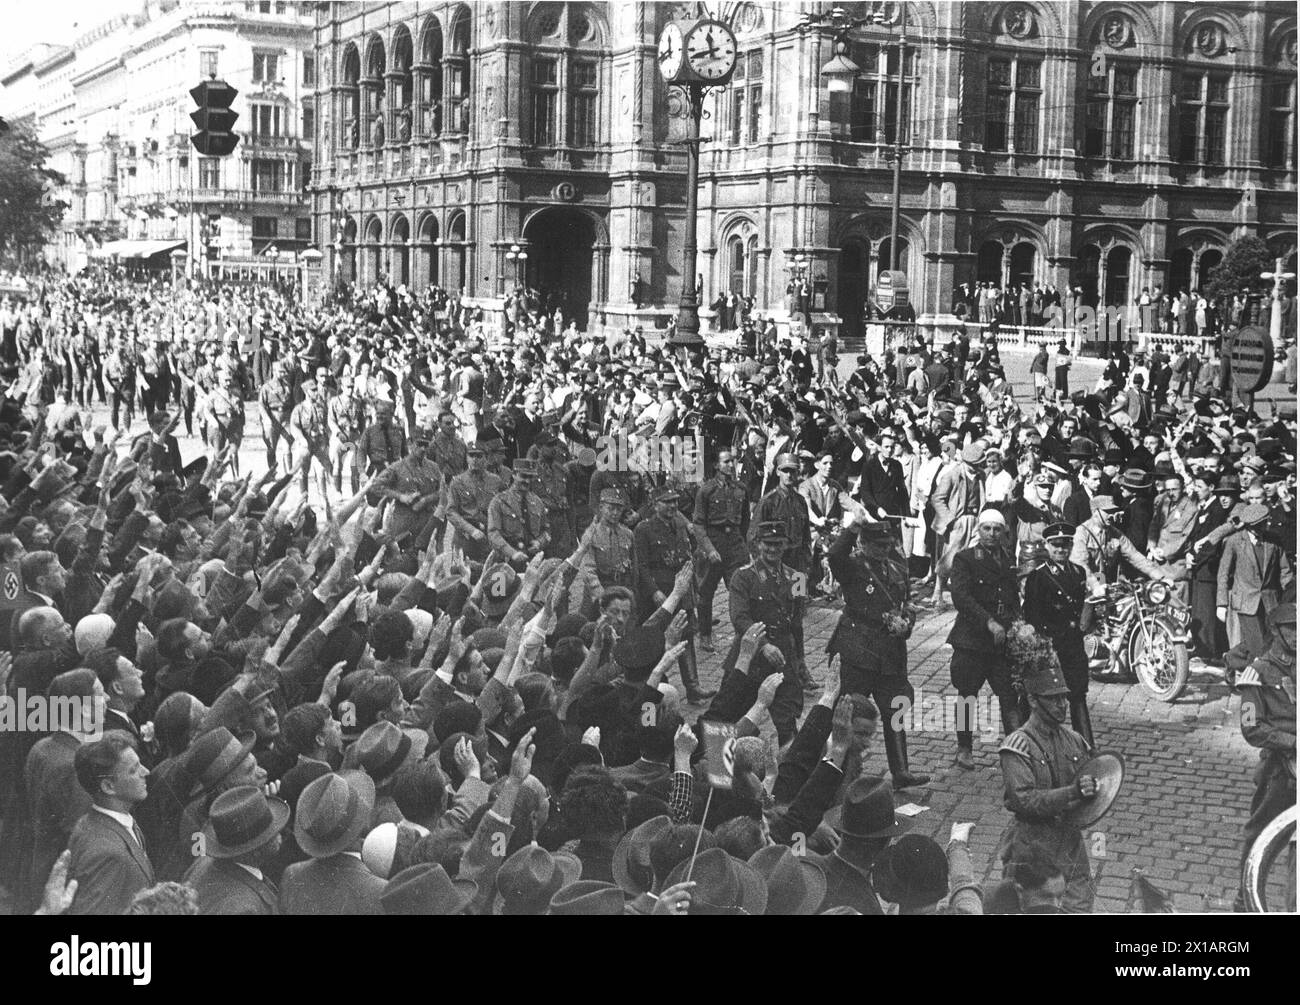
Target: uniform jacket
{"points": [[984, 586], [661, 549], [1054, 601], [789, 508], [514, 523], [337, 885], [225, 887], [722, 507], [1098, 550], [1267, 688], [610, 555], [1039, 766], [108, 863]]}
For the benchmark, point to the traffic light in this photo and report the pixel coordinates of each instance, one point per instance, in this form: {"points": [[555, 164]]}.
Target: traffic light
{"points": [[215, 118]]}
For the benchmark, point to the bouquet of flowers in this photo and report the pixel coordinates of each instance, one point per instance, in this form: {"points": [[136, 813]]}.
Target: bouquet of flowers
{"points": [[1028, 652]]}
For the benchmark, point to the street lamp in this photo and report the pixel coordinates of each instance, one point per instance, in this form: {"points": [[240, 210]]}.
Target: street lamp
{"points": [[519, 256], [840, 72]]}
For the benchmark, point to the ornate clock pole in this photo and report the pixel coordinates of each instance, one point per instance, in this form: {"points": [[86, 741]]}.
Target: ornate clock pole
{"points": [[695, 56]]}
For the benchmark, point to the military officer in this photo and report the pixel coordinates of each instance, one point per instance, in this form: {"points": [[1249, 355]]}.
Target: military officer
{"points": [[662, 545], [1040, 765], [609, 556], [784, 503], [184, 373], [986, 593], [308, 427], [468, 497], [384, 441], [871, 637], [448, 449], [225, 413], [346, 414], [629, 482], [1055, 599], [415, 485], [1268, 721], [721, 515], [516, 523], [1033, 512], [552, 488], [776, 594]]}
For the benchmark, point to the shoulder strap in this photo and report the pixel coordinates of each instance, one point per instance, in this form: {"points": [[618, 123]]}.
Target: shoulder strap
{"points": [[1249, 678], [1018, 743]]}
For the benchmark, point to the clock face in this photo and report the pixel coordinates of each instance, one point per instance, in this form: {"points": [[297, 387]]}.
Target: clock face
{"points": [[711, 50], [670, 52]]}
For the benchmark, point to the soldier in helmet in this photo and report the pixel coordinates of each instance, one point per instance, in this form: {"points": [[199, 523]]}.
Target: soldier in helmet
{"points": [[1268, 721], [1055, 604], [663, 544], [871, 637], [1040, 774], [784, 503]]}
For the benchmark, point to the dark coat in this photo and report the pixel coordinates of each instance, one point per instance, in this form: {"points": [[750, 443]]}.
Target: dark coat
{"points": [[340, 884], [846, 886], [984, 586], [109, 865], [225, 887], [884, 487], [56, 802]]}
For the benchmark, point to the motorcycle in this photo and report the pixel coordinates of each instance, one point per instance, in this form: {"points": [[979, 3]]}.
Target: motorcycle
{"points": [[1141, 629]]}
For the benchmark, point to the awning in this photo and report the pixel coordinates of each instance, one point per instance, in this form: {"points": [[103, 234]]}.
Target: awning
{"points": [[135, 249]]}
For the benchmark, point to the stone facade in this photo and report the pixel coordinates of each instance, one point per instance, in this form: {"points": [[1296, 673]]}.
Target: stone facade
{"points": [[1112, 146]]}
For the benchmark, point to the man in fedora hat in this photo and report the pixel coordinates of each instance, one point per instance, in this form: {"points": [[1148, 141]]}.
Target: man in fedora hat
{"points": [[332, 817], [1253, 572], [986, 593], [1040, 763], [871, 636], [865, 822], [517, 525], [957, 499], [241, 838], [918, 876], [1055, 594]]}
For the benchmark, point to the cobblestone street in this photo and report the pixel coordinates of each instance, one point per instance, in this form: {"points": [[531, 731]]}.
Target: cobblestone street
{"points": [[1178, 817]]}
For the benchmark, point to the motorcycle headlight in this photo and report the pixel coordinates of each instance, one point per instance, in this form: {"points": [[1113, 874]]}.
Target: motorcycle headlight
{"points": [[1157, 593]]}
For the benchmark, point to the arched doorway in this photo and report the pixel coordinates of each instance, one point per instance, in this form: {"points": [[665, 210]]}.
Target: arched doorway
{"points": [[988, 266], [456, 253], [1087, 272], [1117, 278], [370, 252], [348, 252], [426, 263], [1023, 260], [1180, 271], [851, 287], [399, 255], [885, 259], [1210, 260], [559, 260]]}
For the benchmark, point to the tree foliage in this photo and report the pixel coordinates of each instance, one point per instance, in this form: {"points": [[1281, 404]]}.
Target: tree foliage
{"points": [[29, 212], [1241, 268]]}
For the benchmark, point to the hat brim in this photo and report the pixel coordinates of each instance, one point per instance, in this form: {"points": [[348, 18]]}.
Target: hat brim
{"points": [[247, 740], [357, 826], [570, 869], [213, 848], [834, 819], [814, 892], [753, 890]]}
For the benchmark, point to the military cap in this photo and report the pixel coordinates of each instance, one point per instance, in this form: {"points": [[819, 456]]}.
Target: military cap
{"points": [[773, 530], [1104, 504], [1045, 682], [613, 496], [488, 444], [665, 493], [1058, 532], [1055, 469], [786, 462], [525, 468]]}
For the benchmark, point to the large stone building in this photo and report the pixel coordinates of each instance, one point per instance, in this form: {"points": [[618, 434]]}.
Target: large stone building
{"points": [[114, 110]]}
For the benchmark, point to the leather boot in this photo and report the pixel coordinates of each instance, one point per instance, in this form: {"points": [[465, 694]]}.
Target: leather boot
{"points": [[896, 753], [965, 754], [1080, 719], [691, 679]]}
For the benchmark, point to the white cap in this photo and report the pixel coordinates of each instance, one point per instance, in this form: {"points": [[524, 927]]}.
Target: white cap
{"points": [[93, 632], [992, 515]]}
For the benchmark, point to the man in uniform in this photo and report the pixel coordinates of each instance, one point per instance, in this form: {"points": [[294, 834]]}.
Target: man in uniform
{"points": [[274, 404], [662, 545], [307, 425], [1033, 512], [1268, 720], [784, 503], [1040, 764], [448, 449], [631, 483], [516, 522], [468, 497], [769, 591], [986, 593], [225, 413], [871, 637], [346, 414], [184, 376], [1100, 544], [415, 485], [384, 441], [608, 558], [1054, 605], [722, 516]]}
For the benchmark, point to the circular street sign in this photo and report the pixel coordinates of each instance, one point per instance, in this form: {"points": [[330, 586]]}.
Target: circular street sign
{"points": [[1250, 359]]}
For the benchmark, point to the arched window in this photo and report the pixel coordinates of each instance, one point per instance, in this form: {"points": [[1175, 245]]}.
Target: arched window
{"points": [[1087, 273], [403, 89], [1024, 257], [564, 77], [873, 102], [456, 251], [988, 266], [736, 265], [1203, 89], [1118, 261], [751, 255], [1110, 115], [1180, 271], [1279, 119], [456, 85], [1210, 261], [429, 79], [349, 114]]}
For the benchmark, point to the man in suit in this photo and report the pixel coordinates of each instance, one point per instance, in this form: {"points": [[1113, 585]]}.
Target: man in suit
{"points": [[160, 445], [1173, 525], [43, 578], [242, 837], [1078, 508], [123, 688], [109, 861], [986, 593], [957, 499], [1252, 574], [883, 490], [656, 750], [865, 821], [332, 818]]}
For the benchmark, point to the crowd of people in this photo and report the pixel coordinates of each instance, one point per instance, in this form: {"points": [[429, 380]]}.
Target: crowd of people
{"points": [[436, 654]]}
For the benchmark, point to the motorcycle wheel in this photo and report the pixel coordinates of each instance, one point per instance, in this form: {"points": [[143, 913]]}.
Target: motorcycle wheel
{"points": [[1274, 847], [1161, 664]]}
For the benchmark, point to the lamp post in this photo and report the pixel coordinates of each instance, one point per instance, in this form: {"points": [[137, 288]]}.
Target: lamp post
{"points": [[1279, 277], [273, 255], [840, 72], [519, 256]]}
